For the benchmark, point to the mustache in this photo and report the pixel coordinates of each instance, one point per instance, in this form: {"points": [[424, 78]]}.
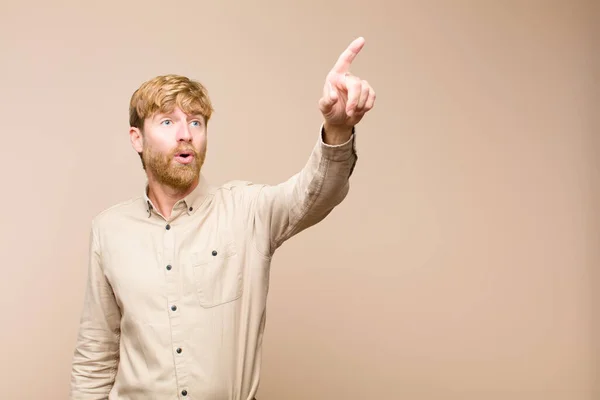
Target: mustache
{"points": [[184, 149]]}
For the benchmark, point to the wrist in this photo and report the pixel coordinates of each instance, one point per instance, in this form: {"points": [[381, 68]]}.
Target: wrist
{"points": [[336, 134]]}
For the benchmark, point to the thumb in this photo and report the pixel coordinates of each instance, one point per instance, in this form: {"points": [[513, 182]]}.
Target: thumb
{"points": [[332, 92], [330, 97]]}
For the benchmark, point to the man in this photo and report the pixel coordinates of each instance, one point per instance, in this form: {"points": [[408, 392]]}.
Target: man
{"points": [[178, 278]]}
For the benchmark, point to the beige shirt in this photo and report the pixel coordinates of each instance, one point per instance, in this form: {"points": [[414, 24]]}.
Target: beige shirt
{"points": [[175, 309]]}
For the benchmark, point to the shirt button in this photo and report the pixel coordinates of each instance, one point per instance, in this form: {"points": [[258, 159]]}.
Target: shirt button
{"points": [[179, 350], [174, 308], [168, 227], [184, 392], [191, 208], [214, 252], [169, 267]]}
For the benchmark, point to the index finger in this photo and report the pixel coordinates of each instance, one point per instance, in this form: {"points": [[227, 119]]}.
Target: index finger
{"points": [[342, 65]]}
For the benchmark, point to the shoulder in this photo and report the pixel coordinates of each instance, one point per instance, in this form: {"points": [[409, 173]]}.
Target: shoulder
{"points": [[117, 213], [238, 194], [239, 187], [236, 184]]}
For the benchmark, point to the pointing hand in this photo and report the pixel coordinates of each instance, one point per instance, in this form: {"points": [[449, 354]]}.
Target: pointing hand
{"points": [[346, 98]]}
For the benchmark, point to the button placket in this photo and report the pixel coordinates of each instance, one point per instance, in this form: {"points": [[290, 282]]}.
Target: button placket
{"points": [[172, 277]]}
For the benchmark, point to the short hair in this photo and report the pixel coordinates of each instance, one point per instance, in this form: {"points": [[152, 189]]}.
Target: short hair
{"points": [[163, 93]]}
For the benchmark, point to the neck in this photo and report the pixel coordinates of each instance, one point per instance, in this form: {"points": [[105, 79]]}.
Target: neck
{"points": [[164, 197]]}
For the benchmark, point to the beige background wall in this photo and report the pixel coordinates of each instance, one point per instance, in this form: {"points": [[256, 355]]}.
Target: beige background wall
{"points": [[594, 237], [463, 264]]}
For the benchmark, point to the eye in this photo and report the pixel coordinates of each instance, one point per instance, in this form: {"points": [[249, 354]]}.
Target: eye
{"points": [[166, 122], [196, 123]]}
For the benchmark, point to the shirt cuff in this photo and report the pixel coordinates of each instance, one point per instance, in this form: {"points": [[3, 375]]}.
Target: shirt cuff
{"points": [[338, 152]]}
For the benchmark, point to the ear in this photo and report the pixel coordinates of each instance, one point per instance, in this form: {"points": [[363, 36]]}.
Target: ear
{"points": [[137, 139]]}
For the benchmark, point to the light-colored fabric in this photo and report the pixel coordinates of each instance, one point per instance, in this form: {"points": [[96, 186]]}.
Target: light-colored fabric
{"points": [[175, 309]]}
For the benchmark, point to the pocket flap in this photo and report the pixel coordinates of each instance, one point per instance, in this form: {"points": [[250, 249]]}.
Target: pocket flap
{"points": [[214, 253]]}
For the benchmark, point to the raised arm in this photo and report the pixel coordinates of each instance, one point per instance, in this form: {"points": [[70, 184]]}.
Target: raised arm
{"points": [[95, 360], [309, 196]]}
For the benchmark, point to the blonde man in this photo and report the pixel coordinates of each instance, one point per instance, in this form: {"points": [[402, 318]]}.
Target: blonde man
{"points": [[178, 277]]}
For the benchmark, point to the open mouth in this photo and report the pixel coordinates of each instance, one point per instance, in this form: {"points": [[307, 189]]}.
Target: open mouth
{"points": [[184, 157]]}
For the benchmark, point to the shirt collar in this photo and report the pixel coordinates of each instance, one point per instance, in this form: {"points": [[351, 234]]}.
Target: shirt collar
{"points": [[191, 202]]}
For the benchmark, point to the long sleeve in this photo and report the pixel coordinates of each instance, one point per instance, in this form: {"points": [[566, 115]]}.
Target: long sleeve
{"points": [[96, 353], [306, 198]]}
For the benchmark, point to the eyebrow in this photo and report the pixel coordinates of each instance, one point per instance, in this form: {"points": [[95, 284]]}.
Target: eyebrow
{"points": [[170, 114], [159, 115]]}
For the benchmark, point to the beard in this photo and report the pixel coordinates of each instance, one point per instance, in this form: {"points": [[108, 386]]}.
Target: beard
{"points": [[169, 172]]}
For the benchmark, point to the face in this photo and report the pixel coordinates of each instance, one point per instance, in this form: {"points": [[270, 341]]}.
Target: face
{"points": [[173, 147]]}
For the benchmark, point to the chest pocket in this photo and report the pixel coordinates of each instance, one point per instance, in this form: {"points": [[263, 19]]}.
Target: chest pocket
{"points": [[217, 274]]}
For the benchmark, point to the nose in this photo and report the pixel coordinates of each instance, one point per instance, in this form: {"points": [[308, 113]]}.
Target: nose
{"points": [[184, 134]]}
